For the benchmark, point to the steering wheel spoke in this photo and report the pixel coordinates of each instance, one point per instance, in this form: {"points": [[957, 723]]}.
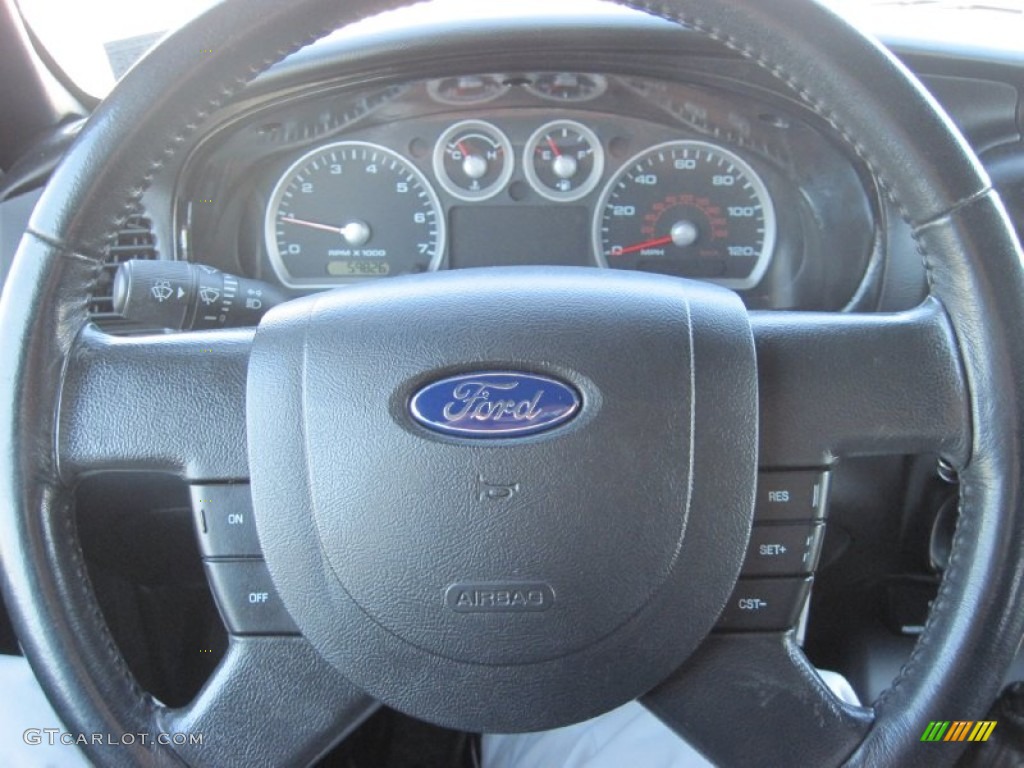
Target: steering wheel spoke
{"points": [[172, 402], [859, 384], [754, 699], [271, 701]]}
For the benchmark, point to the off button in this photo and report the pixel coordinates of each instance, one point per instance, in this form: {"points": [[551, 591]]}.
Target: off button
{"points": [[248, 601]]}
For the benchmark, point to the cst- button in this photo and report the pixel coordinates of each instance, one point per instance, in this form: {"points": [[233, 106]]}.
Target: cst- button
{"points": [[248, 602], [751, 604], [765, 605]]}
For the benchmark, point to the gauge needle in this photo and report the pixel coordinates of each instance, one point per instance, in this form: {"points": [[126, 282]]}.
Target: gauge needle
{"points": [[314, 225], [554, 146], [355, 233], [645, 244]]}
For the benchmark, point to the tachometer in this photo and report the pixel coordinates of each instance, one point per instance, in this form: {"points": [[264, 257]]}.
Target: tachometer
{"points": [[687, 208], [352, 210]]}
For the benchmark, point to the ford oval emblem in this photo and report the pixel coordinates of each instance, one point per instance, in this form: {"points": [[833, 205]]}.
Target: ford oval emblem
{"points": [[494, 404]]}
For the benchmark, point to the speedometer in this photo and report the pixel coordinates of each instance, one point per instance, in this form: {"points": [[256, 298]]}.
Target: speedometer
{"points": [[687, 208], [350, 211]]}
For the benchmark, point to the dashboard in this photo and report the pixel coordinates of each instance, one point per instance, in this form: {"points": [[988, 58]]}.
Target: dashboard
{"points": [[566, 168]]}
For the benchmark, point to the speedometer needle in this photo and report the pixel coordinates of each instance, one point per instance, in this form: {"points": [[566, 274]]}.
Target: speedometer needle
{"points": [[640, 246]]}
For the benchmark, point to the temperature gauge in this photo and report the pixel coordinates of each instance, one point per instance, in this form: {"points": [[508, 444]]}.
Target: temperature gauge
{"points": [[563, 160], [473, 160]]}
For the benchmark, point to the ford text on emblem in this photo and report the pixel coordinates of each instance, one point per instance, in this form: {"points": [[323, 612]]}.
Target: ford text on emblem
{"points": [[494, 405]]}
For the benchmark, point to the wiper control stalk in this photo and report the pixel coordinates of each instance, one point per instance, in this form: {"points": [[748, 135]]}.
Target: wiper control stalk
{"points": [[184, 296]]}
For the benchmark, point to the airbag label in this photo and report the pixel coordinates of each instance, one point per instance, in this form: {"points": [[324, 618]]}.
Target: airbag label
{"points": [[495, 597]]}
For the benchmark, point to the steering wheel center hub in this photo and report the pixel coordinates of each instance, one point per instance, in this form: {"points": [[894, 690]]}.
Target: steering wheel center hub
{"points": [[523, 470]]}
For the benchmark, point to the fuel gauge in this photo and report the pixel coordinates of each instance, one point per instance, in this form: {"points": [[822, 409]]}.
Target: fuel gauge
{"points": [[473, 160], [563, 160]]}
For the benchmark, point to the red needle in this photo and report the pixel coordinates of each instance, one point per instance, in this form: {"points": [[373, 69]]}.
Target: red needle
{"points": [[645, 244], [462, 149], [554, 147], [313, 224]]}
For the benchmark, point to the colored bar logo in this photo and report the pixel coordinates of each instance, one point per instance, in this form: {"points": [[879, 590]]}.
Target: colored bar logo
{"points": [[958, 730]]}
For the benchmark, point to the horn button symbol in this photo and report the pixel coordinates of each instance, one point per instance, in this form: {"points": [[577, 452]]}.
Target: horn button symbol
{"points": [[500, 499]]}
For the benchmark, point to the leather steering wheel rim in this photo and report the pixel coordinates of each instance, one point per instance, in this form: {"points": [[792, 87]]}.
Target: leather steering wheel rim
{"points": [[973, 264]]}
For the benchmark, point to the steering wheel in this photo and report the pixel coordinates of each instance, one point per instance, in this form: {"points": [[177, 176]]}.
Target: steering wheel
{"points": [[633, 514]]}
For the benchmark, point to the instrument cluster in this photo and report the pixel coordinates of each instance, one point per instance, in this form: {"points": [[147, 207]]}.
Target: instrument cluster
{"points": [[552, 168]]}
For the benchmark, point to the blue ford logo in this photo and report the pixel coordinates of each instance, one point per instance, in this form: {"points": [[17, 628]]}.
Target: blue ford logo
{"points": [[494, 404]]}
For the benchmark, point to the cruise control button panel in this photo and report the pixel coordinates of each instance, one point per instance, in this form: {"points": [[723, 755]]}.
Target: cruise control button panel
{"points": [[247, 598], [783, 550], [765, 605], [791, 496], [238, 576], [224, 520]]}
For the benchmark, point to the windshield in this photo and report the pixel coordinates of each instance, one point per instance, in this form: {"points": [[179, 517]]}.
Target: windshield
{"points": [[95, 43]]}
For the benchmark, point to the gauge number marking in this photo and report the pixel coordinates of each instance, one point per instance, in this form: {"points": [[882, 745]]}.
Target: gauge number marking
{"points": [[687, 208]]}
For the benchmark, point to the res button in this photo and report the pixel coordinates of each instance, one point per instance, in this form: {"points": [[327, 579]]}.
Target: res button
{"points": [[790, 496]]}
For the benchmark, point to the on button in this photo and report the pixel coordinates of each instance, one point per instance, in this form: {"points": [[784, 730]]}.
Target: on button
{"points": [[224, 520]]}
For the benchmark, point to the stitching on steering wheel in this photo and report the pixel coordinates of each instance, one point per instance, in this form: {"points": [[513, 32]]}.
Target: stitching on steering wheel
{"points": [[237, 82], [952, 573], [95, 266], [228, 90], [806, 96], [231, 88], [780, 74], [95, 613]]}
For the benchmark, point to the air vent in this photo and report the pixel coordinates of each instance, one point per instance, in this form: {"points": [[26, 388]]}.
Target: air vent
{"points": [[134, 241]]}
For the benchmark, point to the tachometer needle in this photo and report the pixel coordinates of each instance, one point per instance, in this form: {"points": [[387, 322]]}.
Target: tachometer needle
{"points": [[640, 246], [355, 233], [313, 224]]}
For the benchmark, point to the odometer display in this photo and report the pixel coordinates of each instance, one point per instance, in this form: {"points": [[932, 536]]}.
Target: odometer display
{"points": [[358, 268], [349, 211], [687, 208]]}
